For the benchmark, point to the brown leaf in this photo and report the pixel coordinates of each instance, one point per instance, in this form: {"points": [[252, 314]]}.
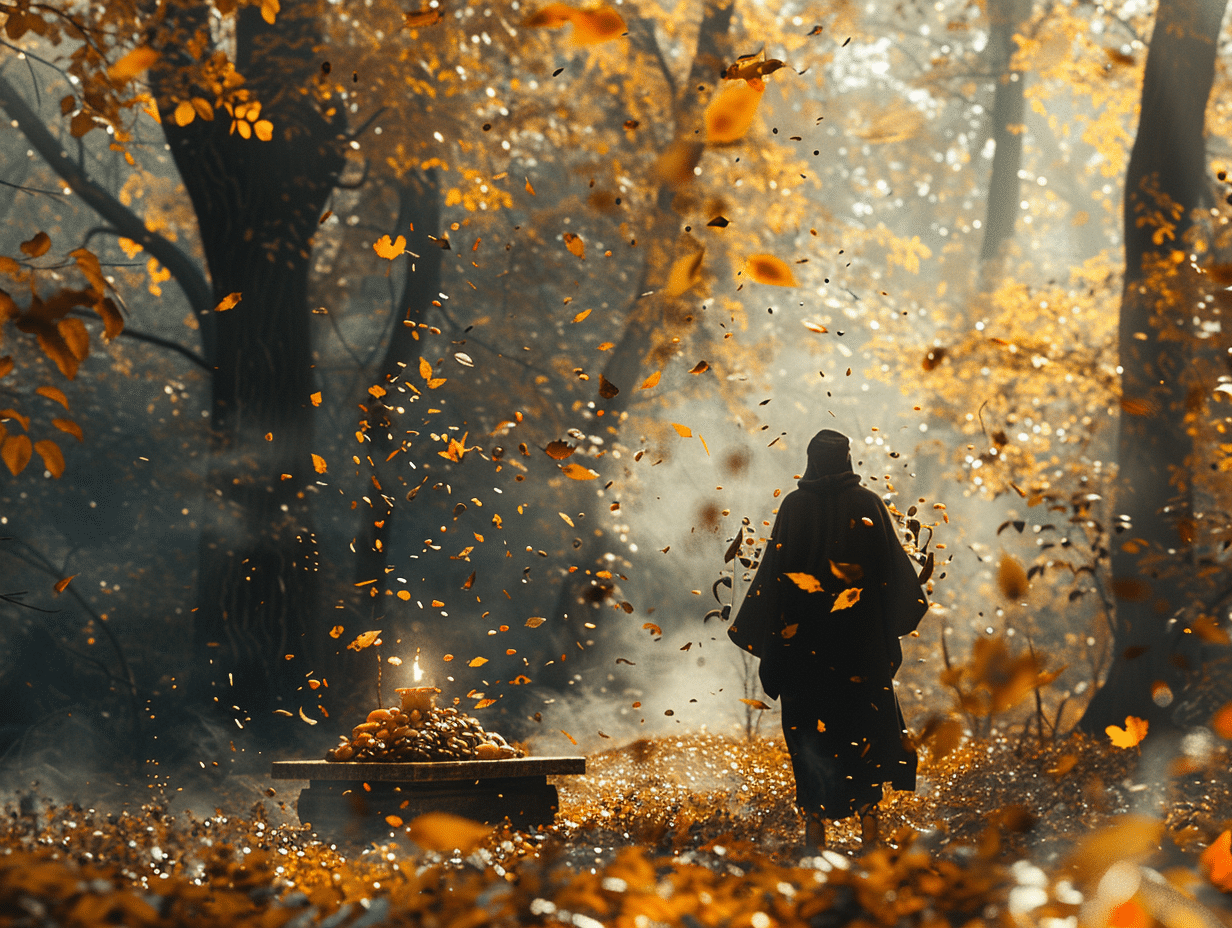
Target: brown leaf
{"points": [[558, 450], [652, 628], [228, 302], [846, 599], [80, 124], [756, 704], [700, 367], [69, 426], [1012, 578], [113, 322], [16, 452], [55, 394], [14, 414], [731, 113], [133, 64], [577, 471], [364, 640], [848, 573], [806, 582], [607, 389], [37, 246], [76, 336], [62, 584], [767, 269], [52, 457], [6, 365], [417, 19], [535, 621]]}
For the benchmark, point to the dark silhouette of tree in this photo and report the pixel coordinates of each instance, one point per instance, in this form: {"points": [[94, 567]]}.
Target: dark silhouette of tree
{"points": [[1153, 552]]}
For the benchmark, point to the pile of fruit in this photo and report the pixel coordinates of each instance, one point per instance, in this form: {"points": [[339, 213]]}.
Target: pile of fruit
{"points": [[419, 730]]}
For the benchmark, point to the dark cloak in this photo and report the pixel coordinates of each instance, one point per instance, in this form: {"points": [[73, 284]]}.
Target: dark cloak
{"points": [[835, 667]]}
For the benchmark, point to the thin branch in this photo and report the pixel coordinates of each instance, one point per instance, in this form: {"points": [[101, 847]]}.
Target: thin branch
{"points": [[50, 193], [359, 130], [159, 341], [186, 272]]}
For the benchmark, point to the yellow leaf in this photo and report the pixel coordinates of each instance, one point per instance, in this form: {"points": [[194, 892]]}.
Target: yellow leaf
{"points": [[1132, 734], [444, 833], [568, 521], [535, 621], [269, 10], [318, 464], [387, 249], [477, 662], [731, 113], [53, 393], [767, 269], [62, 584], [242, 127], [806, 582], [228, 302], [484, 703], [316, 398], [132, 64], [577, 471], [651, 381], [685, 272], [184, 113], [682, 430], [425, 369], [589, 26], [52, 457], [203, 108], [575, 245], [582, 315], [264, 129], [16, 452], [846, 599]]}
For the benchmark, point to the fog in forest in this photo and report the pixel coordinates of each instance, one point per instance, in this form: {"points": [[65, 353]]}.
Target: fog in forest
{"points": [[501, 330]]}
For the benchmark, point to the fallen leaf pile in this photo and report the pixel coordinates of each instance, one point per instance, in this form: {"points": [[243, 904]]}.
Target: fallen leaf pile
{"points": [[419, 730], [696, 829]]}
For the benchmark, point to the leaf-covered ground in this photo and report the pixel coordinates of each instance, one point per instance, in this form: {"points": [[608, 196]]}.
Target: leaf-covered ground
{"points": [[689, 830]]}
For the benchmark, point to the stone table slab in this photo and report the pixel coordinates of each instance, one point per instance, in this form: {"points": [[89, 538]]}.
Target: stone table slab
{"points": [[426, 771]]}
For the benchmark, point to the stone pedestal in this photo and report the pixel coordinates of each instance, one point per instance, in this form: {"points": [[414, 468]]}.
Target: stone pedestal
{"points": [[352, 800]]}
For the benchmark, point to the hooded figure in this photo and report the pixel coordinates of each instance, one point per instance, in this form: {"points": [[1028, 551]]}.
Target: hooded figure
{"points": [[833, 594]]}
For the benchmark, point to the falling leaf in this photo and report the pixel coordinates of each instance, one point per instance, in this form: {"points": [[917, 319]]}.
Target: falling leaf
{"points": [[752, 68], [53, 393], [685, 272], [1216, 860], [62, 584], [558, 450], [16, 452], [682, 430], [806, 582], [821, 726], [731, 113], [652, 628], [264, 130], [1132, 734], [719, 222], [572, 740], [848, 573], [404, 595], [315, 398], [789, 631], [675, 165], [484, 703], [1221, 722], [577, 471], [393, 821], [228, 302], [444, 833], [575, 245], [364, 640], [53, 458], [589, 26], [767, 269], [582, 315], [846, 599], [285, 712], [756, 704], [305, 718], [425, 369], [1011, 578], [336, 631], [318, 463], [700, 367], [14, 414], [651, 381], [387, 249], [607, 389], [37, 246], [477, 662], [1065, 763], [535, 621], [815, 327], [568, 521], [184, 113], [417, 19], [132, 64]]}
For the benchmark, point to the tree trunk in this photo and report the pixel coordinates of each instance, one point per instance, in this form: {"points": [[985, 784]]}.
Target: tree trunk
{"points": [[257, 206], [1153, 554], [1007, 130], [419, 215]]}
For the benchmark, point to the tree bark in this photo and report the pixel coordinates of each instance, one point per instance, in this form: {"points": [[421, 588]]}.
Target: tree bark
{"points": [[1153, 567], [257, 206]]}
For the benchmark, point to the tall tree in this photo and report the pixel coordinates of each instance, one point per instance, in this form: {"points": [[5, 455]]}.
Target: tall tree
{"points": [[1153, 556]]}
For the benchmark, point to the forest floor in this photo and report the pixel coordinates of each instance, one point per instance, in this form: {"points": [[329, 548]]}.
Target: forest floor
{"points": [[691, 830]]}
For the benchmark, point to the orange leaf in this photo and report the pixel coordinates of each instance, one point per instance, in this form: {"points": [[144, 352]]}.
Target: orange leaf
{"points": [[52, 457], [1132, 734], [652, 628], [69, 426], [651, 381], [756, 704], [393, 821], [558, 450], [318, 464], [1221, 722], [14, 414], [53, 393], [37, 246], [184, 113], [535, 621], [316, 399], [767, 269], [731, 113], [477, 662], [1216, 860], [62, 584], [365, 640], [425, 17], [582, 315], [387, 249], [6, 365], [336, 631], [132, 64], [700, 367], [76, 336], [264, 129], [685, 272], [682, 430], [575, 245], [806, 582], [846, 599], [1012, 578], [228, 302], [16, 452], [577, 471], [425, 369]]}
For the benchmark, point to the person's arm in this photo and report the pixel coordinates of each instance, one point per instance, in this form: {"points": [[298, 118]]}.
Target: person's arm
{"points": [[760, 610]]}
